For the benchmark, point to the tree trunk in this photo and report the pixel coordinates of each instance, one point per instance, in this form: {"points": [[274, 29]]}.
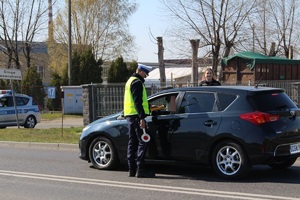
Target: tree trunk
{"points": [[161, 62], [291, 53]]}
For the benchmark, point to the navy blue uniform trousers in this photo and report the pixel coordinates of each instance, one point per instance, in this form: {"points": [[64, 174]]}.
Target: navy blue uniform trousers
{"points": [[136, 147]]}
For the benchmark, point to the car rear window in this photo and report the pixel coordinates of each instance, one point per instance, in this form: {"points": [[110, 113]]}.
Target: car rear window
{"points": [[21, 101], [225, 100], [268, 101], [34, 103]]}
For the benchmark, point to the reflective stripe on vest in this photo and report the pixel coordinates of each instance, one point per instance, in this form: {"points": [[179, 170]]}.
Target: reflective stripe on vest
{"points": [[129, 108]]}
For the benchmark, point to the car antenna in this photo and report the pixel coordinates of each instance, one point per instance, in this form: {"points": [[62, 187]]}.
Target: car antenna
{"points": [[256, 85]]}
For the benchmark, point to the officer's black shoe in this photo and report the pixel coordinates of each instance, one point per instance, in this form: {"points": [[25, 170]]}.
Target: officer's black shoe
{"points": [[144, 174], [132, 172]]}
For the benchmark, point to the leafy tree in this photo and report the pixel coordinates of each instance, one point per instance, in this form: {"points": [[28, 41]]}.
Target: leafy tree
{"points": [[90, 68], [75, 70], [3, 84], [85, 68], [132, 68], [65, 77], [101, 24], [117, 72], [58, 57], [32, 85]]}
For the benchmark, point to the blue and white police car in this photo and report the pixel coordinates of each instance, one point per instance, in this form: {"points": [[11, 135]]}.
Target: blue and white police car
{"points": [[27, 108]]}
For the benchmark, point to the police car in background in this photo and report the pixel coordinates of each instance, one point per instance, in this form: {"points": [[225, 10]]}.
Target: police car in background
{"points": [[28, 110]]}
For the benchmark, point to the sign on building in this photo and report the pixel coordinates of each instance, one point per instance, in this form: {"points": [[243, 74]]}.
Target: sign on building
{"points": [[51, 92]]}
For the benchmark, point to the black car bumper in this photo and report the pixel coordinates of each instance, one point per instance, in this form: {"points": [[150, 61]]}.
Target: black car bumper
{"points": [[84, 155], [281, 152]]}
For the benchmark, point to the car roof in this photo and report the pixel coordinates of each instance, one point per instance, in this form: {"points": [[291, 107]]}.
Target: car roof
{"points": [[225, 89], [8, 93]]}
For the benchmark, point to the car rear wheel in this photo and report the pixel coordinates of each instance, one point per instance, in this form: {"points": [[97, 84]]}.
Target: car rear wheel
{"points": [[283, 164], [30, 122], [229, 161], [103, 154]]}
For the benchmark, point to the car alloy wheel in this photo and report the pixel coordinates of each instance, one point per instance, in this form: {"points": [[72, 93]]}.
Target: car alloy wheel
{"points": [[103, 154], [230, 161], [30, 122]]}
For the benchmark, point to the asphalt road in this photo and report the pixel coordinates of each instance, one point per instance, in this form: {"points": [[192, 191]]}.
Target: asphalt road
{"points": [[34, 172]]}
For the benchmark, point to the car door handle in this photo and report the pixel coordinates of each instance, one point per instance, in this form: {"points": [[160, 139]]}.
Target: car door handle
{"points": [[210, 123]]}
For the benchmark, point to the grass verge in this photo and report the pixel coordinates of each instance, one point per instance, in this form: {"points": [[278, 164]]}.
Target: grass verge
{"points": [[52, 135]]}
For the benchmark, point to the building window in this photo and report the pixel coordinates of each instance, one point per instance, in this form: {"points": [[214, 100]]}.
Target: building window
{"points": [[41, 71]]}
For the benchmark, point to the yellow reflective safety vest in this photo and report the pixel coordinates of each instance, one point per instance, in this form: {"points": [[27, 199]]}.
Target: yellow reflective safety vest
{"points": [[129, 108]]}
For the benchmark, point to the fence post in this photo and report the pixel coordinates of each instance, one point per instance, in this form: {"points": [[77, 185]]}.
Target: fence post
{"points": [[85, 99]]}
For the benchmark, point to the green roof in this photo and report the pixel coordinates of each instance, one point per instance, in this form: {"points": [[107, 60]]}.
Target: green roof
{"points": [[252, 58]]}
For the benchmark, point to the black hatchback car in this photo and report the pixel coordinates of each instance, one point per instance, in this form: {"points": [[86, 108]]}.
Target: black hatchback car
{"points": [[230, 128]]}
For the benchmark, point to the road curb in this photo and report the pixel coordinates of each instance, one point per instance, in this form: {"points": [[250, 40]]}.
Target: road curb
{"points": [[41, 145]]}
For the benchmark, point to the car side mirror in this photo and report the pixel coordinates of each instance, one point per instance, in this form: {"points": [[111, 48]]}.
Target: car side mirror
{"points": [[120, 117]]}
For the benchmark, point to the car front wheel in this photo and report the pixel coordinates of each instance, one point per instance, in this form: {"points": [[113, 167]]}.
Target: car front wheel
{"points": [[229, 161], [30, 122], [103, 154]]}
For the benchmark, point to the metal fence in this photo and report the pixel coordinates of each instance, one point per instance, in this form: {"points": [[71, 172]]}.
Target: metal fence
{"points": [[110, 99], [291, 87], [104, 100]]}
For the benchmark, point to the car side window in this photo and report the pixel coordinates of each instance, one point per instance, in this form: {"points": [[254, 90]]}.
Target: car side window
{"points": [[7, 102], [4, 102], [21, 101], [158, 101], [194, 102], [168, 103]]}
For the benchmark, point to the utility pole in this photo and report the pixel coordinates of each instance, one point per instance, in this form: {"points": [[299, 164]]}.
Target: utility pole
{"points": [[272, 49], [70, 46], [194, 75]]}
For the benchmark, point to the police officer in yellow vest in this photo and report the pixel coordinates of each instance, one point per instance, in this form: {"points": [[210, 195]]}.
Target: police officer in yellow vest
{"points": [[136, 109]]}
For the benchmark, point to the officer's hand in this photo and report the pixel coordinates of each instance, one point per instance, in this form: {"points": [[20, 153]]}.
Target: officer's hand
{"points": [[142, 123]]}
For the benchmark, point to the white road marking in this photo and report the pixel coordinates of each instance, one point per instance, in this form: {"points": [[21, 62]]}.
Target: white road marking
{"points": [[140, 186]]}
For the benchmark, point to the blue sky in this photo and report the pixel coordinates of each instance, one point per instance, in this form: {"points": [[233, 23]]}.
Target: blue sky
{"points": [[146, 20]]}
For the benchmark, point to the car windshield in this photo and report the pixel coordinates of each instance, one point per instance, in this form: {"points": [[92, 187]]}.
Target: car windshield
{"points": [[268, 101]]}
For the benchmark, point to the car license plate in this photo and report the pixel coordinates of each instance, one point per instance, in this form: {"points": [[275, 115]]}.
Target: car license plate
{"points": [[295, 148]]}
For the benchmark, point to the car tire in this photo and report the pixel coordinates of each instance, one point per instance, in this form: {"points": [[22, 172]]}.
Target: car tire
{"points": [[30, 122], [230, 161], [284, 164], [103, 154]]}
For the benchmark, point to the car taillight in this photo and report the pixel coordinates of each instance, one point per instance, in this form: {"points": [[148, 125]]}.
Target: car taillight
{"points": [[259, 117], [40, 108]]}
